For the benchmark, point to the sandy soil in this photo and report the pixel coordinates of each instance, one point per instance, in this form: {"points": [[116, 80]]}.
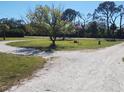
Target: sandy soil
{"points": [[99, 70]]}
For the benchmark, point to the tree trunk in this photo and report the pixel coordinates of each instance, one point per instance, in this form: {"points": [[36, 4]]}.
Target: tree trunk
{"points": [[108, 26], [53, 45], [120, 21], [113, 35], [120, 25], [4, 35], [63, 38], [50, 38]]}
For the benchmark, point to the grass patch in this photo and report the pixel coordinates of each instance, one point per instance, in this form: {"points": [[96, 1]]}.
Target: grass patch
{"points": [[22, 38], [14, 68], [43, 44], [14, 38]]}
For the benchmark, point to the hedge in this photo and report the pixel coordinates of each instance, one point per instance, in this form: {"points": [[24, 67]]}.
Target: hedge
{"points": [[13, 33]]}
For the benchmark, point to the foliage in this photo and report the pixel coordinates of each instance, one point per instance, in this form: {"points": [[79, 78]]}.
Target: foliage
{"points": [[69, 22], [15, 33], [4, 28], [49, 19], [11, 28], [92, 29], [69, 15], [53, 22], [106, 10]]}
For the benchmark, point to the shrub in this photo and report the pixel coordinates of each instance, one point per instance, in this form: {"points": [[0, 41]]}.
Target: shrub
{"points": [[15, 33]]}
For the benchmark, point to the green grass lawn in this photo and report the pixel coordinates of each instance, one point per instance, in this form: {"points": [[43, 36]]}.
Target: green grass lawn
{"points": [[22, 38], [14, 68], [17, 38], [9, 38], [43, 44]]}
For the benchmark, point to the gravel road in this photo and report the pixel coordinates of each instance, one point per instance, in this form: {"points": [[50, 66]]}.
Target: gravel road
{"points": [[98, 70]]}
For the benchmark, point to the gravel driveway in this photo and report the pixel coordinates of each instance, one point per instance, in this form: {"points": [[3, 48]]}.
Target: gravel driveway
{"points": [[98, 70]]}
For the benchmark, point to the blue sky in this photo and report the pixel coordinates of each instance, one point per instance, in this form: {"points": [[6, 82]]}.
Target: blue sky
{"points": [[18, 9]]}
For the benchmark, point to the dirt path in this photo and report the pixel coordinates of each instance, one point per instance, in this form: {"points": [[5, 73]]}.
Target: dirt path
{"points": [[100, 70], [20, 51]]}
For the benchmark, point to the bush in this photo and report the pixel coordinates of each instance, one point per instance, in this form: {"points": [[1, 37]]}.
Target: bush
{"points": [[14, 33]]}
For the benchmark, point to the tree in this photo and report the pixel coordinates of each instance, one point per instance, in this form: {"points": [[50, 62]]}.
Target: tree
{"points": [[12, 27], [86, 19], [4, 28], [101, 29], [113, 27], [12, 23], [28, 29], [48, 19], [92, 28], [69, 15], [121, 14], [121, 8], [66, 28], [106, 10]]}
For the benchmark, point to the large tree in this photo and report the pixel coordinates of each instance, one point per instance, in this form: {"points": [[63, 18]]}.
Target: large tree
{"points": [[48, 19], [121, 15], [106, 10], [121, 8], [69, 15]]}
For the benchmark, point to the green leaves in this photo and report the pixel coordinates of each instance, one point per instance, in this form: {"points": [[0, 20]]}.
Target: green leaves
{"points": [[49, 19], [4, 27]]}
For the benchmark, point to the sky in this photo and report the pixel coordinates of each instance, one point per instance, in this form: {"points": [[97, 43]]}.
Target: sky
{"points": [[18, 9]]}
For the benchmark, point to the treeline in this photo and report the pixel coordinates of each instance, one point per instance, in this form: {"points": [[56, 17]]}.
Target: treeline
{"points": [[101, 23], [11, 28], [53, 22]]}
